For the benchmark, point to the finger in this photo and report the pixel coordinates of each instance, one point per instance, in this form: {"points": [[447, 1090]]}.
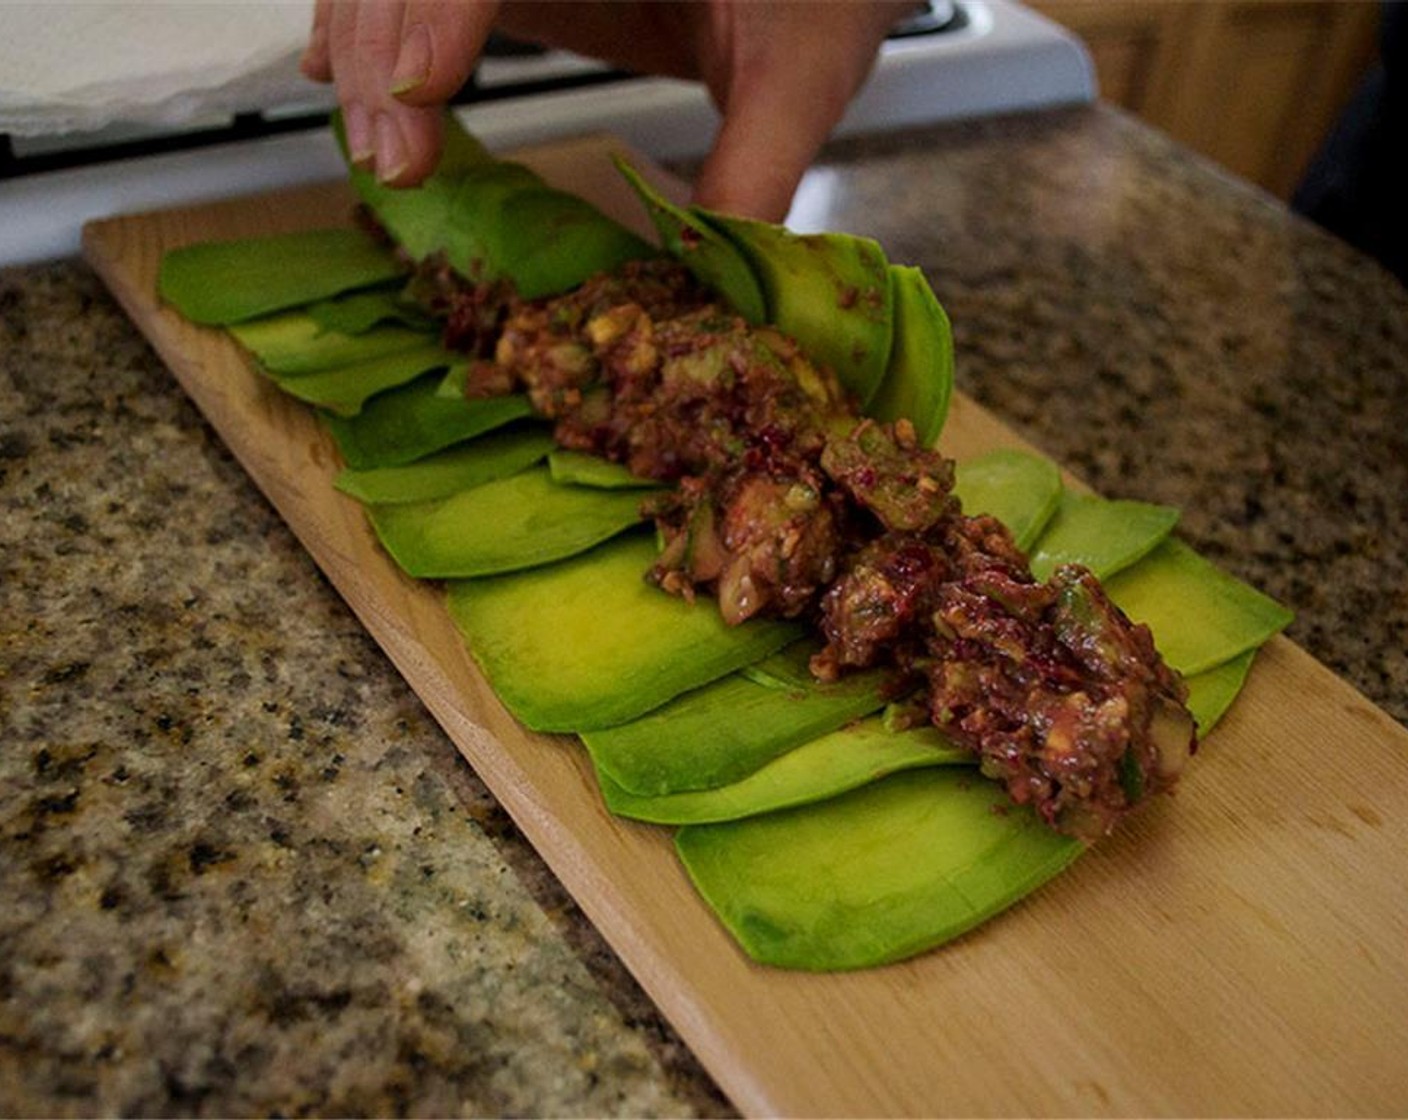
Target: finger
{"points": [[399, 143], [315, 63], [771, 131], [440, 42], [408, 144], [782, 74], [376, 44], [363, 39]]}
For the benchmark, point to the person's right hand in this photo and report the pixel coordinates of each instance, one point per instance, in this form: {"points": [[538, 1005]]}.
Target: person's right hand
{"points": [[781, 74]]}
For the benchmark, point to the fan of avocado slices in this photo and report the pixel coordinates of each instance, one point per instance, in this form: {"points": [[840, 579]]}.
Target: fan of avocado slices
{"points": [[823, 828]]}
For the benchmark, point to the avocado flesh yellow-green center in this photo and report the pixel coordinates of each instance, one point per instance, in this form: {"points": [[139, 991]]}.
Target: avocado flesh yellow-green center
{"points": [[494, 455], [586, 643]]}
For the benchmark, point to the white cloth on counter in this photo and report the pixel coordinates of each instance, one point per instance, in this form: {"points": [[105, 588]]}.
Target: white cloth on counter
{"points": [[68, 66]]}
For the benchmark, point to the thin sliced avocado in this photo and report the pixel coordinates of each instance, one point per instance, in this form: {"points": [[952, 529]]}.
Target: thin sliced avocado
{"points": [[345, 390], [492, 219], [520, 521], [409, 423], [1105, 535], [829, 291], [294, 343], [726, 730], [918, 382], [577, 468], [476, 243], [824, 767], [455, 381], [562, 240], [1211, 692], [876, 875], [787, 669], [495, 455], [422, 219], [358, 312], [712, 258], [588, 643], [505, 222], [1020, 489], [1200, 615], [222, 282]]}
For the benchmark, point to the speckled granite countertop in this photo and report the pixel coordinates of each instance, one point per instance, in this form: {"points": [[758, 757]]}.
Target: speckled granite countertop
{"points": [[242, 871]]}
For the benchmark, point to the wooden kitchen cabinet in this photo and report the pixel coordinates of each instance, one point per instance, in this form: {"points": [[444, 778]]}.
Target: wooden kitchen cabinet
{"points": [[1255, 84]]}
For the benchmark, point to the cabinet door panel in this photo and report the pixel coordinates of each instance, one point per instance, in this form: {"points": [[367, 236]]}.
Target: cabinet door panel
{"points": [[1254, 84]]}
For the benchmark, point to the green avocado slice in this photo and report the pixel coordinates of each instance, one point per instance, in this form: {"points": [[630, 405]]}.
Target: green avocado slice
{"points": [[829, 291], [1103, 534], [577, 468], [1020, 489], [875, 875], [831, 764], [918, 381], [713, 259], [490, 456], [724, 731], [1211, 692], [491, 219], [1200, 615], [490, 230], [406, 424], [421, 220], [520, 521], [562, 240], [345, 390], [455, 383], [478, 248], [588, 643], [295, 343], [217, 283], [507, 222], [358, 312]]}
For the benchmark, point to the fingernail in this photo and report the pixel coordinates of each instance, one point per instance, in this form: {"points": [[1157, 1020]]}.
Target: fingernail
{"points": [[360, 144], [413, 63], [390, 150]]}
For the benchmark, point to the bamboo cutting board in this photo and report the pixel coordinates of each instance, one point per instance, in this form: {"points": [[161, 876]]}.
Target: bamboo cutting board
{"points": [[1239, 949]]}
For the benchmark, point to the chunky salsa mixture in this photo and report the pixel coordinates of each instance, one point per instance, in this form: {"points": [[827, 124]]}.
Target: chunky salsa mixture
{"points": [[786, 502]]}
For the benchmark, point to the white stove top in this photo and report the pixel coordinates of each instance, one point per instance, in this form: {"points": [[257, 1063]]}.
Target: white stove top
{"points": [[997, 57]]}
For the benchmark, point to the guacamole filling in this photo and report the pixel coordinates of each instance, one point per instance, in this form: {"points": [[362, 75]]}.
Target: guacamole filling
{"points": [[784, 501]]}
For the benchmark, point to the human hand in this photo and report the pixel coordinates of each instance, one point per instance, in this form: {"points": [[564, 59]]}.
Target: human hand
{"points": [[781, 74]]}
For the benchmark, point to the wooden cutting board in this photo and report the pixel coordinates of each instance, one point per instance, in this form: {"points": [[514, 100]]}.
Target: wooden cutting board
{"points": [[1241, 948]]}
